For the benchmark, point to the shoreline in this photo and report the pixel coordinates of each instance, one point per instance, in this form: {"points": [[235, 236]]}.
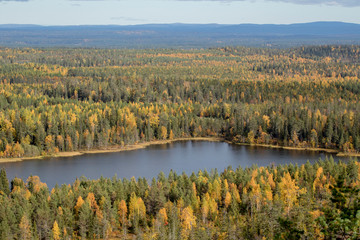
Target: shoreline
{"points": [[113, 148], [142, 145], [326, 150]]}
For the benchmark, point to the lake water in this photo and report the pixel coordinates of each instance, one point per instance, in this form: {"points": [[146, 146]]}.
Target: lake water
{"points": [[182, 156]]}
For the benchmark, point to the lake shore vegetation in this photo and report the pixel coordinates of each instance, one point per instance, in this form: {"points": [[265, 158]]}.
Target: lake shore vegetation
{"points": [[112, 148]]}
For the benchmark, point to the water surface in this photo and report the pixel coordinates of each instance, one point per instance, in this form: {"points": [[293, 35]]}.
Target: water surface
{"points": [[182, 156]]}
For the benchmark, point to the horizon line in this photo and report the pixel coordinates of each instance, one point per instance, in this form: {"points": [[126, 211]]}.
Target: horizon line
{"points": [[172, 23]]}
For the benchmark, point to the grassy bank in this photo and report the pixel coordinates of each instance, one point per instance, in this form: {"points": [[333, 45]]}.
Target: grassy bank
{"points": [[113, 148]]}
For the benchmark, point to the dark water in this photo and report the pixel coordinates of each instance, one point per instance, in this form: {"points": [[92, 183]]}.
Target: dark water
{"points": [[183, 156]]}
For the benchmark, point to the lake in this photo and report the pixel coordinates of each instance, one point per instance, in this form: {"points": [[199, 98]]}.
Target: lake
{"points": [[181, 156]]}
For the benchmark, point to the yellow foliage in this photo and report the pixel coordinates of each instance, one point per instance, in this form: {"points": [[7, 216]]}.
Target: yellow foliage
{"points": [[255, 193], [24, 226], [137, 209], [79, 203], [171, 135], [319, 171], [271, 181], [163, 216], [227, 199], [122, 211], [56, 231], [315, 214], [163, 132], [266, 120], [289, 191], [216, 190], [188, 220]]}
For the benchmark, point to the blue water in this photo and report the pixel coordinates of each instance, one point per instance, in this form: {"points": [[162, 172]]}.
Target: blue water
{"points": [[182, 156]]}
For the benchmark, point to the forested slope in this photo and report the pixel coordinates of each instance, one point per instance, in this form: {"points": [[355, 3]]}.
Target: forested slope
{"points": [[55, 100], [76, 99], [319, 201]]}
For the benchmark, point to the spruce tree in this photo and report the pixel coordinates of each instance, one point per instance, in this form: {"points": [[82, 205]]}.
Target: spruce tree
{"points": [[4, 182]]}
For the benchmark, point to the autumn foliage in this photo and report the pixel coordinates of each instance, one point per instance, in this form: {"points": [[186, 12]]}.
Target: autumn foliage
{"points": [[319, 201], [55, 100]]}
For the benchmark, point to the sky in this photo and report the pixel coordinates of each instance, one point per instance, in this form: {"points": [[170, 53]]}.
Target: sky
{"points": [[130, 12]]}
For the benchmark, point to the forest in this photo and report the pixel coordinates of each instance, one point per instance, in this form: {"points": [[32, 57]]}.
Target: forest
{"points": [[76, 99], [72, 99], [319, 201]]}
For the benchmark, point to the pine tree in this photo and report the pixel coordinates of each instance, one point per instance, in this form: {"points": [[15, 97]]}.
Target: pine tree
{"points": [[4, 182]]}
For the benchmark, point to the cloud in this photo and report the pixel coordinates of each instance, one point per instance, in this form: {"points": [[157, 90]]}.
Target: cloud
{"points": [[343, 3], [14, 0]]}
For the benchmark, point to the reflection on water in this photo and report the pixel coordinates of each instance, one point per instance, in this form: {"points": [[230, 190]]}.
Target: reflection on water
{"points": [[182, 156]]}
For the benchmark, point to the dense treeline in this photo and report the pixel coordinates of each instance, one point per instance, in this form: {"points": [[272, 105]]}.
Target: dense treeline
{"points": [[74, 99], [319, 201]]}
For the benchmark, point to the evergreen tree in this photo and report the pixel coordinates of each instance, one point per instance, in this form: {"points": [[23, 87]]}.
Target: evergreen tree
{"points": [[4, 182]]}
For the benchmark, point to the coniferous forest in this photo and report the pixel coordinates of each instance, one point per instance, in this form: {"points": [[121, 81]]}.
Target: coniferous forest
{"points": [[63, 100], [55, 100], [319, 201]]}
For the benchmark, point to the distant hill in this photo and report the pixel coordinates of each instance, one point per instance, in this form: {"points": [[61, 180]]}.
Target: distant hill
{"points": [[180, 35]]}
